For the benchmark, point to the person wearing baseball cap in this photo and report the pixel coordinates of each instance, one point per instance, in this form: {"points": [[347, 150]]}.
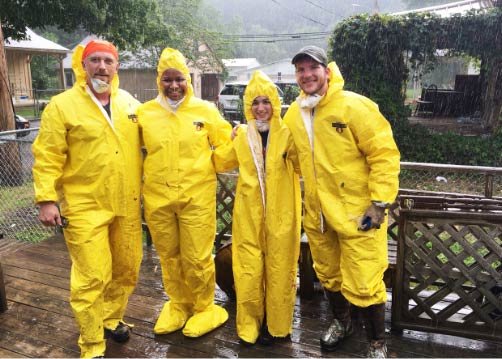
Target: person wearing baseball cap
{"points": [[314, 52], [350, 166], [87, 176]]}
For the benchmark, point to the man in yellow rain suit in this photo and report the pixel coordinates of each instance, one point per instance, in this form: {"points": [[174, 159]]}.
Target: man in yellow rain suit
{"points": [[88, 161], [187, 141], [350, 165], [266, 218]]}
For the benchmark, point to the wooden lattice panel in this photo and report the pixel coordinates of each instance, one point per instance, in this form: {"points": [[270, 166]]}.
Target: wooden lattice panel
{"points": [[225, 197], [449, 272]]}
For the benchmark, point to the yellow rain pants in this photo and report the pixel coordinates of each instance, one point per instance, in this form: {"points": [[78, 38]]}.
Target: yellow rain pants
{"points": [[93, 170], [184, 148], [266, 221], [353, 160]]}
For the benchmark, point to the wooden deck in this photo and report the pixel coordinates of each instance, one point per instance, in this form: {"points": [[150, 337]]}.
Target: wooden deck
{"points": [[39, 321]]}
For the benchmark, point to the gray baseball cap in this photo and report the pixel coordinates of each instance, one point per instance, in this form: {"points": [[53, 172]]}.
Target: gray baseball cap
{"points": [[314, 52]]}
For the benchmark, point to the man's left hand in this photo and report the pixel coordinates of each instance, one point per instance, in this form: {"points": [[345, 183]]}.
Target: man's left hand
{"points": [[375, 214]]}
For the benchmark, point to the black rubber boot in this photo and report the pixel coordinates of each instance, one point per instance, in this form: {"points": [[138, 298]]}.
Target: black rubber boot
{"points": [[374, 323], [120, 334], [245, 343], [341, 325], [265, 338]]}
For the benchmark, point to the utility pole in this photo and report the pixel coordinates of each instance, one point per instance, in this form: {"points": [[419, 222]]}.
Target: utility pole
{"points": [[6, 110], [376, 8]]}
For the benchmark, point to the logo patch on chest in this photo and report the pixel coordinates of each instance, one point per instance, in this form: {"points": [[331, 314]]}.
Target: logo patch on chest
{"points": [[339, 126], [133, 117], [198, 125]]}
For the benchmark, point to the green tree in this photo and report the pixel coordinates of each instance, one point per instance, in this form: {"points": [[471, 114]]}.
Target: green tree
{"points": [[44, 72], [373, 53], [193, 28], [127, 23], [67, 39]]}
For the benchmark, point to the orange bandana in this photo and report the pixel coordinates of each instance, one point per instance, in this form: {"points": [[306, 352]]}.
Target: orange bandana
{"points": [[100, 46]]}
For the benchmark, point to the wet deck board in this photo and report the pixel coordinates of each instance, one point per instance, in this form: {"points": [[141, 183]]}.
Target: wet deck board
{"points": [[39, 321]]}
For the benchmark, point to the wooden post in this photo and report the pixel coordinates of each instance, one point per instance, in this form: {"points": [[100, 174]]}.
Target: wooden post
{"points": [[376, 7], [488, 185], [492, 99], [9, 152], [6, 110], [61, 72], [3, 296]]}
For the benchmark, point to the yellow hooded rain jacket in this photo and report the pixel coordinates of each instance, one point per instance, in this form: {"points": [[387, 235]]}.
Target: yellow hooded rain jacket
{"points": [[266, 221], [90, 164], [184, 150], [351, 161]]}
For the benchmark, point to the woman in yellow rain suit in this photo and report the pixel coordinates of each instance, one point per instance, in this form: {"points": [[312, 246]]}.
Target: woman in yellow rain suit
{"points": [[266, 218], [185, 138], [89, 162]]}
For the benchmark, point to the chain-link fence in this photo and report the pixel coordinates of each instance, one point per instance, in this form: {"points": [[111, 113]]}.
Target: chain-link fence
{"points": [[32, 102], [18, 215], [472, 180], [41, 99]]}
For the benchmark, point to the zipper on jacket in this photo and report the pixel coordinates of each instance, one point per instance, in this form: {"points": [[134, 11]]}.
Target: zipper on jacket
{"points": [[322, 223]]}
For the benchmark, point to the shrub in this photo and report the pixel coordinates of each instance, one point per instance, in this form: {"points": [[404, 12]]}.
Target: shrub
{"points": [[418, 144]]}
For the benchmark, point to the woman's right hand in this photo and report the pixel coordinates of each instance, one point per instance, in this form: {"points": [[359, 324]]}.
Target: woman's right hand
{"points": [[234, 132]]}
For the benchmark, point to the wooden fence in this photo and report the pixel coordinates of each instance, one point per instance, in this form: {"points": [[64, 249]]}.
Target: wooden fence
{"points": [[448, 275]]}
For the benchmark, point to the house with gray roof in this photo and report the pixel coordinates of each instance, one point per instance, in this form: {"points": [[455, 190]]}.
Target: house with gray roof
{"points": [[19, 54]]}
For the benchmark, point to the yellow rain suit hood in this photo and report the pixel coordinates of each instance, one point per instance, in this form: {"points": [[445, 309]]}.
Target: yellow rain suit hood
{"points": [[81, 75], [352, 160], [336, 81], [261, 85], [90, 163], [185, 148], [173, 59], [266, 221]]}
